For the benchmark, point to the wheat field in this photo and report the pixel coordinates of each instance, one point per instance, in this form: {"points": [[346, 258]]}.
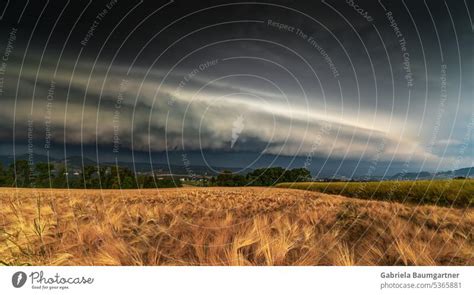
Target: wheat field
{"points": [[226, 226]]}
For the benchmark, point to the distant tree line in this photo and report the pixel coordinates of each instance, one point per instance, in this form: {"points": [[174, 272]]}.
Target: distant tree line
{"points": [[46, 175], [261, 177]]}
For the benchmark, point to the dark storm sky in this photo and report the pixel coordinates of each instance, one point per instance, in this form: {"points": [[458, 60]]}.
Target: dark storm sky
{"points": [[375, 81]]}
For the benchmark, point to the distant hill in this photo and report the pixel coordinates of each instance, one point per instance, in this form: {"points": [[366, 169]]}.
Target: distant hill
{"points": [[466, 172], [413, 175], [8, 159], [463, 172], [77, 161]]}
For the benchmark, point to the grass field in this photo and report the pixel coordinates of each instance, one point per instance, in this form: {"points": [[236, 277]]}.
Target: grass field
{"points": [[226, 226], [457, 193]]}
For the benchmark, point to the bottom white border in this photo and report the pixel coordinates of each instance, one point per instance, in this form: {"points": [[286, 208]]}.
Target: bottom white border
{"points": [[236, 280]]}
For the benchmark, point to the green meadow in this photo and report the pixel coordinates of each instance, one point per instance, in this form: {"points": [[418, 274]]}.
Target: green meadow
{"points": [[452, 192]]}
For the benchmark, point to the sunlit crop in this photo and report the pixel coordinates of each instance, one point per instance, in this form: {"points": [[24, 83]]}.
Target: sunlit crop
{"points": [[226, 226]]}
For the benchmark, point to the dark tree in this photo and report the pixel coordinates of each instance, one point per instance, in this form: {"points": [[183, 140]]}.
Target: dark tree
{"points": [[42, 174], [21, 173], [227, 178], [274, 175]]}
